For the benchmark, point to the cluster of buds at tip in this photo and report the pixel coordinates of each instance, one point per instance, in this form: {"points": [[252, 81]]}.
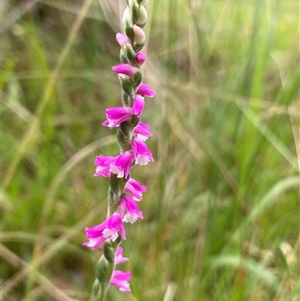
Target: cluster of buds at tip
{"points": [[124, 192]]}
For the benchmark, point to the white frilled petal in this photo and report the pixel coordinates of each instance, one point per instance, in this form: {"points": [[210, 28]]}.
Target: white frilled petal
{"points": [[110, 233], [130, 218], [91, 243], [141, 153], [142, 131], [143, 160], [121, 167], [119, 172]]}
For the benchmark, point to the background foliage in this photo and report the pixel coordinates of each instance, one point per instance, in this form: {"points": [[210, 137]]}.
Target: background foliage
{"points": [[222, 206]]}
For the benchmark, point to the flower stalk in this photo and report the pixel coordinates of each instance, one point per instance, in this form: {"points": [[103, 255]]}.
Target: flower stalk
{"points": [[124, 192]]}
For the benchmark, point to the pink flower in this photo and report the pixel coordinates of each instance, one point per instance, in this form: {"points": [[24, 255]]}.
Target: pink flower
{"points": [[142, 131], [133, 213], [115, 116], [120, 280], [103, 165], [109, 229], [141, 153], [138, 105], [119, 257], [134, 189], [145, 90], [122, 165], [125, 69], [123, 40], [124, 192], [140, 58]]}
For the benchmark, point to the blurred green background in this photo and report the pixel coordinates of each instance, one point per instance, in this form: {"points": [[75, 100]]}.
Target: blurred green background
{"points": [[222, 206]]}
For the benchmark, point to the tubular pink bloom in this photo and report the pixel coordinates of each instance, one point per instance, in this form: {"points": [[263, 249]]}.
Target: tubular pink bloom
{"points": [[120, 280], [135, 189], [115, 116], [109, 229], [141, 153], [133, 212], [125, 69], [103, 165], [94, 243], [138, 105], [119, 257], [142, 131], [145, 90], [122, 165], [122, 40], [114, 226], [140, 58]]}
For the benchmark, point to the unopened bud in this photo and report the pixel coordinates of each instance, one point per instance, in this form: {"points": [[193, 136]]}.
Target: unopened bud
{"points": [[114, 190], [101, 270], [96, 289], [124, 136], [125, 99], [127, 55], [126, 130], [123, 58], [108, 252], [126, 84], [143, 2], [129, 32], [139, 35], [131, 3], [141, 21], [127, 17], [137, 79], [134, 11], [140, 58], [130, 54], [134, 121]]}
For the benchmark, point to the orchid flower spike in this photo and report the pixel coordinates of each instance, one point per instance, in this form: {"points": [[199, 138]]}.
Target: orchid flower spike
{"points": [[124, 193]]}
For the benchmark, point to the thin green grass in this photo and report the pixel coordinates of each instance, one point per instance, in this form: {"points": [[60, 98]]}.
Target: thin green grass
{"points": [[222, 203]]}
